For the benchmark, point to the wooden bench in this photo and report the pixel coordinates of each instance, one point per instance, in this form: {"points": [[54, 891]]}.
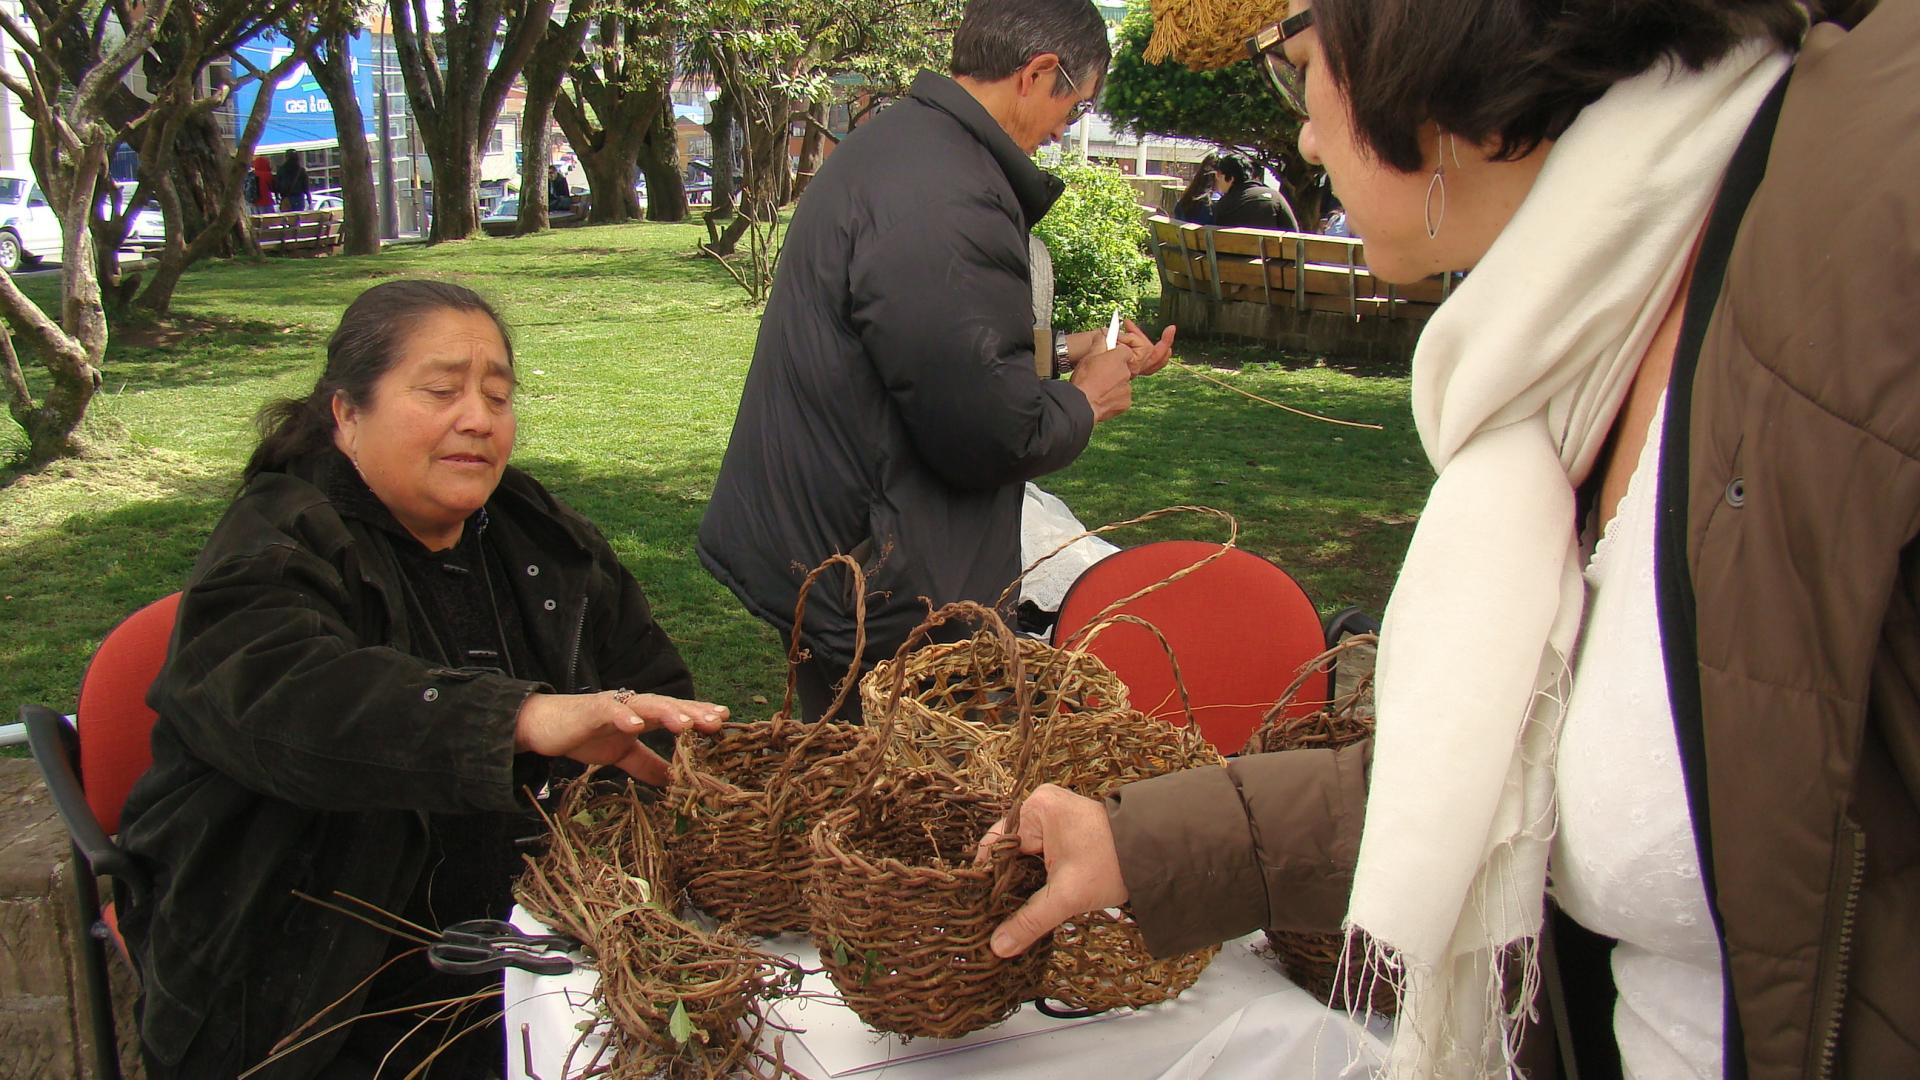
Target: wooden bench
{"points": [[299, 232], [1300, 290]]}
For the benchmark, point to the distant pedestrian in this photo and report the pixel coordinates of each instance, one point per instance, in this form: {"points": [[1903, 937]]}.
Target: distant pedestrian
{"points": [[559, 192], [291, 183], [259, 187]]}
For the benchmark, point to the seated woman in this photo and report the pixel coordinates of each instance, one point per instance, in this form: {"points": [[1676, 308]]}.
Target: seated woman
{"points": [[1195, 204], [385, 644]]}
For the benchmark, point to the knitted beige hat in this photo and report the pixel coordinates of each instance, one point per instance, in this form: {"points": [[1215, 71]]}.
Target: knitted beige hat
{"points": [[1206, 34]]}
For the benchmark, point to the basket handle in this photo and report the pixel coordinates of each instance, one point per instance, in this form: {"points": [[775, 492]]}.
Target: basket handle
{"points": [[1323, 662], [1233, 535], [796, 649]]}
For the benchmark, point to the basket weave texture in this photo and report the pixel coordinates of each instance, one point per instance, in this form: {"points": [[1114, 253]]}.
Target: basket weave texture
{"points": [[1205, 34], [744, 800], [903, 909], [903, 917], [1315, 961]]}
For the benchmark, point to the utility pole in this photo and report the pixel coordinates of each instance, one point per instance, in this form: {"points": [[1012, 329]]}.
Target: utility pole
{"points": [[389, 218]]}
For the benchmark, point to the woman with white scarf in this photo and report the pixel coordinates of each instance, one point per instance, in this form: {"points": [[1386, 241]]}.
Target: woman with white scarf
{"points": [[1583, 160]]}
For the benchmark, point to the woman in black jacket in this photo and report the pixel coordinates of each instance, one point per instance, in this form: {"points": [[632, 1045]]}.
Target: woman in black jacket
{"points": [[385, 644]]}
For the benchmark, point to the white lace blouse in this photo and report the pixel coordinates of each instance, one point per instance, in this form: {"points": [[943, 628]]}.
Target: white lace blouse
{"points": [[1624, 862]]}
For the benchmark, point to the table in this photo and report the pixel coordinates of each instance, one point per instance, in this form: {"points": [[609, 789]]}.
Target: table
{"points": [[1243, 1019]]}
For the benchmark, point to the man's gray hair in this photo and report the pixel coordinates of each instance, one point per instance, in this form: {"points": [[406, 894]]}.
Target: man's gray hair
{"points": [[998, 37]]}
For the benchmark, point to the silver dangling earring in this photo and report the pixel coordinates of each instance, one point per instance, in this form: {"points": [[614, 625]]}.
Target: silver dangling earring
{"points": [[1439, 181]]}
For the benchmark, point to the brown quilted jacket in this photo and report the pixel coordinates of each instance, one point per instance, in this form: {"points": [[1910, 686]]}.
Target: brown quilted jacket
{"points": [[1790, 610]]}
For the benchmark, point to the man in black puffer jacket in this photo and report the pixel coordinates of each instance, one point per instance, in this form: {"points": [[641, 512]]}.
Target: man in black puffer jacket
{"points": [[893, 408]]}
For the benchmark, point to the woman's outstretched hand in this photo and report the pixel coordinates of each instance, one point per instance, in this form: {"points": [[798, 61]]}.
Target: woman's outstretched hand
{"points": [[604, 728], [1072, 836]]}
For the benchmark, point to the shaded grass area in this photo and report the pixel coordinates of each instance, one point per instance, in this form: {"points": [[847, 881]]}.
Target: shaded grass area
{"points": [[632, 354]]}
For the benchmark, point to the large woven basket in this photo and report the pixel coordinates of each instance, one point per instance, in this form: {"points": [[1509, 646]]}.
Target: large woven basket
{"points": [[743, 801], [902, 909], [956, 703], [1315, 962]]}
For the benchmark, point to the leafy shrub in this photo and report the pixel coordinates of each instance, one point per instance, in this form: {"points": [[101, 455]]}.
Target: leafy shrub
{"points": [[1099, 247]]}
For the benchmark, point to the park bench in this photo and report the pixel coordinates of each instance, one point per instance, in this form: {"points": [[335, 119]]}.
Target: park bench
{"points": [[1302, 291], [298, 232]]}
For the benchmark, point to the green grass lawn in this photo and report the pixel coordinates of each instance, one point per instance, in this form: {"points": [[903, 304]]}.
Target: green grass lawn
{"points": [[632, 354]]}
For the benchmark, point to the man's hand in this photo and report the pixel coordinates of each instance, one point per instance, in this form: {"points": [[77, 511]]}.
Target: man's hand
{"points": [[1107, 380], [1072, 836], [603, 729], [1149, 355]]}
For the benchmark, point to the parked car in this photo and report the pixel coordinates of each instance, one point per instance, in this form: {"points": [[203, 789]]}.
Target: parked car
{"points": [[29, 229], [326, 199], [148, 230], [506, 210]]}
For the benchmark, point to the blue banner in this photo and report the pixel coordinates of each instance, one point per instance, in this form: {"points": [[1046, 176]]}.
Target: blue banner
{"points": [[301, 115]]}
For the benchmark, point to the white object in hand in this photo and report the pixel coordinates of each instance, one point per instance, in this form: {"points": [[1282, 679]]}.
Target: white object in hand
{"points": [[1113, 331]]}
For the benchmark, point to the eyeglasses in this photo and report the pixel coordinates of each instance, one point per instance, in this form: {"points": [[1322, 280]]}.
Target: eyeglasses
{"points": [[1268, 50], [1080, 108]]}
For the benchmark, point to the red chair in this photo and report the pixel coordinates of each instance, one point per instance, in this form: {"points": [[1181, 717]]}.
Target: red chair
{"points": [[1240, 628], [89, 769]]}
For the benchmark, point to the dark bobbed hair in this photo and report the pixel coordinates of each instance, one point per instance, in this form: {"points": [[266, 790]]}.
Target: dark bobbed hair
{"points": [[1516, 72], [998, 37], [1237, 169], [364, 347]]}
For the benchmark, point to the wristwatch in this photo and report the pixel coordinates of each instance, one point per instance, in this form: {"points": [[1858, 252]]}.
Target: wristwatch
{"points": [[1061, 365]]}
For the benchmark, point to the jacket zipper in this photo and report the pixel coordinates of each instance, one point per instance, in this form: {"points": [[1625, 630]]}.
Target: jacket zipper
{"points": [[573, 653], [1853, 862]]}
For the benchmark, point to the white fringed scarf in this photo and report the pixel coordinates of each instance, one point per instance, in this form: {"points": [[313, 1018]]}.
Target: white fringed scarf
{"points": [[1516, 382]]}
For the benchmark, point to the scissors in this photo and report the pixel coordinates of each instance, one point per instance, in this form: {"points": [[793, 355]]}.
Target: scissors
{"points": [[479, 946]]}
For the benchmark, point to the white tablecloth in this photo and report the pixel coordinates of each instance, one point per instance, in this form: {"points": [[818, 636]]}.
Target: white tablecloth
{"points": [[1241, 1020]]}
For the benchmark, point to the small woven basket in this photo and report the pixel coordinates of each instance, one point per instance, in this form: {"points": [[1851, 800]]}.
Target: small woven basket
{"points": [[743, 801], [902, 910], [1315, 961]]}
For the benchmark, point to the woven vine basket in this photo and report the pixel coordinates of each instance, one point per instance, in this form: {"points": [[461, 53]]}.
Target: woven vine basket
{"points": [[1314, 961], [903, 911], [1100, 961], [1206, 34], [742, 802]]}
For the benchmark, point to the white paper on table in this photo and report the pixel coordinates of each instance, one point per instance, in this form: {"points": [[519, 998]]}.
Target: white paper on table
{"points": [[544, 1014], [1241, 1021]]}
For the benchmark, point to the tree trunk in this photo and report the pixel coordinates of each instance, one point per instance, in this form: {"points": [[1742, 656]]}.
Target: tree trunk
{"points": [[720, 130], [455, 154], [813, 148], [332, 69], [546, 69], [660, 164], [610, 172]]}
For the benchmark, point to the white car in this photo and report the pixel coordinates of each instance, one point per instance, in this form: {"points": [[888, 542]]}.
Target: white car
{"points": [[29, 230], [148, 229]]}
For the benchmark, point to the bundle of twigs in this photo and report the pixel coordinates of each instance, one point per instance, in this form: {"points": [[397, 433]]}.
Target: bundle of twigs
{"points": [[902, 909], [1315, 961], [683, 1002], [741, 803], [1205, 34]]}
